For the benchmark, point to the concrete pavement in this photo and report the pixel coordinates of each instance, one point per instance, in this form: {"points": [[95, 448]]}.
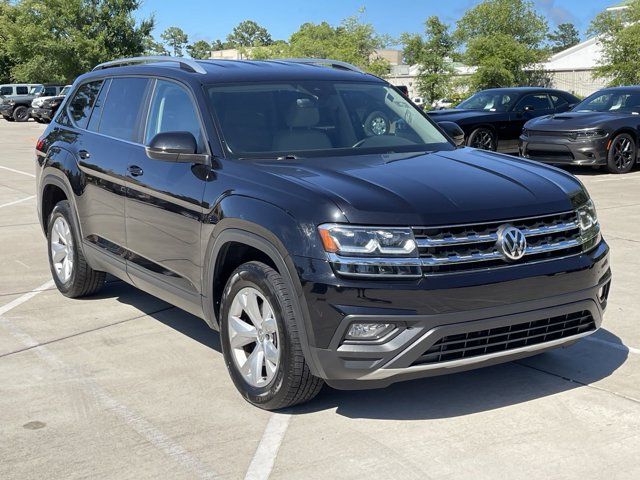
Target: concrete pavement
{"points": [[123, 385]]}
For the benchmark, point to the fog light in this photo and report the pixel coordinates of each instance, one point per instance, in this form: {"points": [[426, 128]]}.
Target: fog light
{"points": [[603, 293], [369, 331]]}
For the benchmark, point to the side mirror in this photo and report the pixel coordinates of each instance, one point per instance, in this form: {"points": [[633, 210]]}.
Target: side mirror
{"points": [[454, 132], [175, 147]]}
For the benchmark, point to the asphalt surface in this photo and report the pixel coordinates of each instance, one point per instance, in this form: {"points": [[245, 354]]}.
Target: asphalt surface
{"points": [[122, 385]]}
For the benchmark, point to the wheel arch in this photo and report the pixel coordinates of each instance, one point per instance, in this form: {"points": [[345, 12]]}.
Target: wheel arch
{"points": [[255, 239]]}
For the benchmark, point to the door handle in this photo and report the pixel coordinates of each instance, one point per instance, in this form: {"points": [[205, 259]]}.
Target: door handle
{"points": [[83, 154], [135, 170]]}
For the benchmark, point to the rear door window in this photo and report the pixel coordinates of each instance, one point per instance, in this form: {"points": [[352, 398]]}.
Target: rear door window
{"points": [[535, 102], [172, 110], [558, 102], [122, 110], [50, 91], [22, 90], [80, 106]]}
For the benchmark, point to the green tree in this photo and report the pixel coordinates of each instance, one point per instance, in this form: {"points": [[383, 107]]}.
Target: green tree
{"points": [[433, 54], [248, 34], [199, 50], [6, 14], [565, 36], [618, 32], [152, 47], [57, 40], [176, 40], [504, 41]]}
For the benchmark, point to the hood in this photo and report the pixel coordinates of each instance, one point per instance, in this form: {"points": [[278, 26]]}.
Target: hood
{"points": [[457, 114], [440, 188], [575, 120], [37, 101], [19, 98]]}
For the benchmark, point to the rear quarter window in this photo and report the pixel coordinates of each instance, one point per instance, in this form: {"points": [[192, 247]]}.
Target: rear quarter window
{"points": [[6, 91]]}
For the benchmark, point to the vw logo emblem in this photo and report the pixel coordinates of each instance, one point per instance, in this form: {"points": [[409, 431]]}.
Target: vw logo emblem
{"points": [[511, 242]]}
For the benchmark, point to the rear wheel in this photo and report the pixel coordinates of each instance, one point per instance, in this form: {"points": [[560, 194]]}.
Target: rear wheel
{"points": [[71, 273], [622, 154], [482, 138], [260, 340], [21, 114]]}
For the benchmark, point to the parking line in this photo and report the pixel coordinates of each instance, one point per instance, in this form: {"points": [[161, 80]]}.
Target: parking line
{"points": [[617, 346], [17, 201], [142, 426], [267, 451], [18, 171]]}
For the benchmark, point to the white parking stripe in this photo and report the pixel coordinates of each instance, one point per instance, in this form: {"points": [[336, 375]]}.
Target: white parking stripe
{"points": [[617, 346], [267, 451], [142, 426], [18, 171], [17, 201]]}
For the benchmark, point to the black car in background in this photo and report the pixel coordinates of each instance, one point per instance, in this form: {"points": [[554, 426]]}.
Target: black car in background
{"points": [[493, 119], [600, 131]]}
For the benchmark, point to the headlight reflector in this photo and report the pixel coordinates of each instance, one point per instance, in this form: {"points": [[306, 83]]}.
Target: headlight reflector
{"points": [[589, 226], [596, 133], [368, 241]]}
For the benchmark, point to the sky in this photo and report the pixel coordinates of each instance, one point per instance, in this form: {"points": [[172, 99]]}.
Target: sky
{"points": [[214, 19]]}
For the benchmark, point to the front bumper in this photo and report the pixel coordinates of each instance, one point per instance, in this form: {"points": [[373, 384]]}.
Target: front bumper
{"points": [[564, 151], [6, 110], [430, 309], [42, 113]]}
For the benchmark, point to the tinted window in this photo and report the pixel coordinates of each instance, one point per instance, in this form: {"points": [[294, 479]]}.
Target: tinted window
{"points": [[50, 91], [83, 100], [535, 102], [6, 91], [558, 102], [22, 90], [94, 122], [611, 101], [122, 109], [172, 111]]}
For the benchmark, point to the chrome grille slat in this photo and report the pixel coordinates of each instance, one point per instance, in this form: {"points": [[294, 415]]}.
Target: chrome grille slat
{"points": [[457, 248]]}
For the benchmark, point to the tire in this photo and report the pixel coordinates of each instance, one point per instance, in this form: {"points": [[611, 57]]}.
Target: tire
{"points": [[21, 114], [80, 279], [622, 154], [483, 139], [291, 381]]}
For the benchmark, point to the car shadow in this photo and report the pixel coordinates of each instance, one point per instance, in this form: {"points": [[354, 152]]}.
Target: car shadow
{"points": [[446, 396]]}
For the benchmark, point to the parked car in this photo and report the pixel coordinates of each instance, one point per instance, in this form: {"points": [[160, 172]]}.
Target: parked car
{"points": [[602, 130], [16, 107], [493, 119], [44, 108], [442, 104], [322, 249], [13, 89], [419, 101]]}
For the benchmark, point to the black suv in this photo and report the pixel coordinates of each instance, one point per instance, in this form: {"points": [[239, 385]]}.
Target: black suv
{"points": [[255, 195]]}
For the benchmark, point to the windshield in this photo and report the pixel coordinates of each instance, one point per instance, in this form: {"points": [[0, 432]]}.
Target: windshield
{"points": [[65, 90], [36, 90], [313, 118], [612, 101], [489, 101]]}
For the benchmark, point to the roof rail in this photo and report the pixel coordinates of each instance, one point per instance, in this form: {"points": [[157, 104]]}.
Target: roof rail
{"points": [[323, 61], [185, 63]]}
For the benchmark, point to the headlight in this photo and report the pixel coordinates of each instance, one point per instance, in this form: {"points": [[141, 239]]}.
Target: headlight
{"points": [[368, 241], [597, 133], [382, 252], [10, 102], [589, 226]]}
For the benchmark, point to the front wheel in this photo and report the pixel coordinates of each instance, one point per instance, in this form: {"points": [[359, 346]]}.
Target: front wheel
{"points": [[21, 114], [483, 139], [71, 273], [260, 340], [622, 154]]}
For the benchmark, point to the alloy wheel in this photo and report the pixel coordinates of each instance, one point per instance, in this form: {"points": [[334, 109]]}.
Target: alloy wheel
{"points": [[623, 153], [483, 140], [254, 337], [62, 249]]}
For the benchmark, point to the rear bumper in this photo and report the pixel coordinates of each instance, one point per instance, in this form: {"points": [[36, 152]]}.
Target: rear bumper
{"points": [[564, 151], [400, 356]]}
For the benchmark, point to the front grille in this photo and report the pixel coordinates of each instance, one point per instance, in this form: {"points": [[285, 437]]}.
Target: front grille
{"points": [[549, 154], [476, 343], [471, 247], [550, 133]]}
